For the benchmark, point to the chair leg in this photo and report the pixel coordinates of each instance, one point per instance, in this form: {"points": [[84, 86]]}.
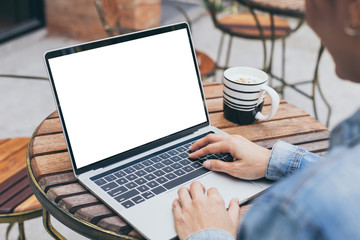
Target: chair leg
{"points": [[263, 40], [11, 225], [283, 84], [317, 84], [264, 53], [315, 80], [283, 58], [218, 57], [326, 103], [220, 48], [21, 231], [49, 228], [228, 52], [269, 70]]}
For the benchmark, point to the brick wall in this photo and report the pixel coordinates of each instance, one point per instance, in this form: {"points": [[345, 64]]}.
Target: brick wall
{"points": [[79, 19]]}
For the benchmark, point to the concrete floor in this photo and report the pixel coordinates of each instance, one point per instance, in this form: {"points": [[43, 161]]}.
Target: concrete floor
{"points": [[24, 104]]}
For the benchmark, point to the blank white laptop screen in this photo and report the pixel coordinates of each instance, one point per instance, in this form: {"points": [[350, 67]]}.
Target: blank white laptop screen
{"points": [[122, 96]]}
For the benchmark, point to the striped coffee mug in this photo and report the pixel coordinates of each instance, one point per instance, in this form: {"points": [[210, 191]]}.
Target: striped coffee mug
{"points": [[244, 92]]}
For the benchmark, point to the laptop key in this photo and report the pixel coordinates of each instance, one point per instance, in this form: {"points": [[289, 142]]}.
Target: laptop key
{"points": [[220, 155], [128, 204], [110, 178], [152, 184], [176, 166], [140, 181], [117, 191], [120, 174], [148, 195], [130, 185], [131, 177], [150, 169], [181, 149], [164, 156], [158, 165], [185, 178], [170, 176], [143, 188], [155, 159], [122, 181], [138, 166], [137, 199], [129, 170], [167, 162], [184, 155], [201, 160], [185, 162], [100, 182], [167, 169], [109, 186], [228, 158], [150, 177], [179, 172], [159, 173], [187, 168], [212, 156], [147, 162], [127, 195], [196, 165], [187, 145], [161, 180], [172, 152], [158, 190], [140, 173], [176, 158]]}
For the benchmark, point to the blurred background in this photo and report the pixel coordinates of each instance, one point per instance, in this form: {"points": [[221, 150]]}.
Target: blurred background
{"points": [[28, 28]]}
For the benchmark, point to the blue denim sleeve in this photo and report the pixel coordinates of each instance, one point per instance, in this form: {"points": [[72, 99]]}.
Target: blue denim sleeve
{"points": [[211, 234], [286, 159], [267, 220]]}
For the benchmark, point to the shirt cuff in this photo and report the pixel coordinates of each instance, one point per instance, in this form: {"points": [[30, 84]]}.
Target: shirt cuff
{"points": [[211, 234], [284, 160]]}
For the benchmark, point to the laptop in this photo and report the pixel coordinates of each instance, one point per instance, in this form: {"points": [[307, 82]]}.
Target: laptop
{"points": [[130, 106]]}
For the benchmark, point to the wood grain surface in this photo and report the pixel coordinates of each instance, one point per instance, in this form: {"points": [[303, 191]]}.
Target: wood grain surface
{"points": [[15, 193], [52, 169], [245, 24]]}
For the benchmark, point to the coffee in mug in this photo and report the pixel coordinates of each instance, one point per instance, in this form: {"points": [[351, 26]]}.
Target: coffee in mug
{"points": [[244, 93]]}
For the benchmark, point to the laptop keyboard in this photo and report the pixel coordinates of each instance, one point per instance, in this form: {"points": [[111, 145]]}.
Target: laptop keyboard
{"points": [[154, 175]]}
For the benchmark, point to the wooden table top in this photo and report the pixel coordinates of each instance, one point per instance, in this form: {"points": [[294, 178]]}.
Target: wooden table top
{"points": [[54, 184]]}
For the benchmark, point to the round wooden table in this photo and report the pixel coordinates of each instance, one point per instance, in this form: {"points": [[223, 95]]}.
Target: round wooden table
{"points": [[61, 195]]}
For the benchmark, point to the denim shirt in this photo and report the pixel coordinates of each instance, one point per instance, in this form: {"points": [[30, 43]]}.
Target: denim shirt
{"points": [[315, 197]]}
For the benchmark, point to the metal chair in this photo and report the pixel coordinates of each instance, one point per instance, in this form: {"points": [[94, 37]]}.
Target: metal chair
{"points": [[231, 19], [294, 9], [17, 202]]}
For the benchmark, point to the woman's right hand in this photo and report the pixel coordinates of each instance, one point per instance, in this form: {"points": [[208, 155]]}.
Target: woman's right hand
{"points": [[250, 159]]}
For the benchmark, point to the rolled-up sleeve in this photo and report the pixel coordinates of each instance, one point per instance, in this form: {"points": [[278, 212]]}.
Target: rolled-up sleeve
{"points": [[211, 234], [286, 159]]}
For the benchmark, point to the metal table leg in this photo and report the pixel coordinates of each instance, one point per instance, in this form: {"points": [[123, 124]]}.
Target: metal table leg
{"points": [[49, 228]]}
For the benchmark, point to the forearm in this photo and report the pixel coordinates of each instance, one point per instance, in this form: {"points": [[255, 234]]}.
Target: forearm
{"points": [[286, 159]]}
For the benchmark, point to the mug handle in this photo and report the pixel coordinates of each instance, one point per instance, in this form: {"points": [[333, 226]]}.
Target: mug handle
{"points": [[275, 100]]}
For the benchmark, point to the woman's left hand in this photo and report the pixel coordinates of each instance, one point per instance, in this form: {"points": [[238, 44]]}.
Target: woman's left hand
{"points": [[196, 209]]}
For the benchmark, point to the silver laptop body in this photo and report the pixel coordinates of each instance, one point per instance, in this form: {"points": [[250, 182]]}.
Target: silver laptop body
{"points": [[153, 77]]}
